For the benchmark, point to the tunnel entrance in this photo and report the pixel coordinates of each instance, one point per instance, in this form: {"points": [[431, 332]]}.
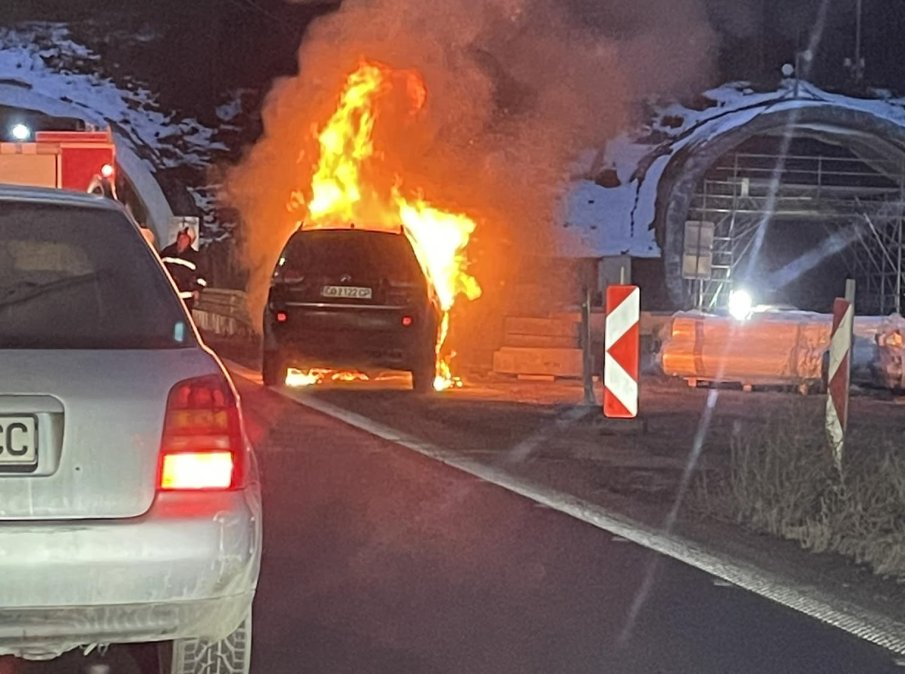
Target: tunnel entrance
{"points": [[789, 214]]}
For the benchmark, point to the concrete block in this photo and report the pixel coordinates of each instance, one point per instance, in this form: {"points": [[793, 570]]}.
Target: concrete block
{"points": [[548, 378], [540, 341], [538, 361], [543, 327]]}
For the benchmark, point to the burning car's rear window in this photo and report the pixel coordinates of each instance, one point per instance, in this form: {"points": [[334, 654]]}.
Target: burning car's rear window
{"points": [[82, 278], [364, 253]]}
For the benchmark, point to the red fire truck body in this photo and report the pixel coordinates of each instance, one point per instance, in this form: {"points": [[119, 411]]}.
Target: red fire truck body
{"points": [[71, 160]]}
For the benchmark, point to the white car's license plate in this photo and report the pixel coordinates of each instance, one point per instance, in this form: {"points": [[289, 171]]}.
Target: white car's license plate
{"points": [[347, 292], [18, 441]]}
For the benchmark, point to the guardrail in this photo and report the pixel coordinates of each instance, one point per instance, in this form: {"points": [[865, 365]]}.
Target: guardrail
{"points": [[223, 313]]}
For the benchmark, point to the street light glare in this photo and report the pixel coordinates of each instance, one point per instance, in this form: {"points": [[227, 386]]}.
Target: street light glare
{"points": [[740, 304], [20, 132]]}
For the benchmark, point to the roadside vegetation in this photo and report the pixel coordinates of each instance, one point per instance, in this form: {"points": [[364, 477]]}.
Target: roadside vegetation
{"points": [[782, 480]]}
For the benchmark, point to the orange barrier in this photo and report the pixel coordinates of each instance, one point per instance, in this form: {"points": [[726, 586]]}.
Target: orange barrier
{"points": [[778, 349]]}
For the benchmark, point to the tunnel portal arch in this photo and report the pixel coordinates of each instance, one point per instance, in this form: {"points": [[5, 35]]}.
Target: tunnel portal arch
{"points": [[873, 199]]}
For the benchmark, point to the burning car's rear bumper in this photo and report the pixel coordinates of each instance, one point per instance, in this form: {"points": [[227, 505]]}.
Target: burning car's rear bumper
{"points": [[317, 337]]}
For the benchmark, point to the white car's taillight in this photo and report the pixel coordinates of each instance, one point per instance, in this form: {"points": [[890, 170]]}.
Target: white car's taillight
{"points": [[202, 446]]}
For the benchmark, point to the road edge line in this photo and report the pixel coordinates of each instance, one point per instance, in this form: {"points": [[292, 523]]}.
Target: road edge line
{"points": [[812, 601]]}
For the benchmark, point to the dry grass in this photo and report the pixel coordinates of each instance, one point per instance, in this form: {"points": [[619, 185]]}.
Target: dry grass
{"points": [[782, 480]]}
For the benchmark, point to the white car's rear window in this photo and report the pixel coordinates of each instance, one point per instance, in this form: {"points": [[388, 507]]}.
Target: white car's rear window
{"points": [[82, 278]]}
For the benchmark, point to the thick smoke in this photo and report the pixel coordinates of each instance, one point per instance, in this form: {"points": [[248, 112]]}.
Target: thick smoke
{"points": [[516, 90]]}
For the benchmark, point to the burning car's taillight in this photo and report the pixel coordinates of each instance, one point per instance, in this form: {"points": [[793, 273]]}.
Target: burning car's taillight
{"points": [[202, 447]]}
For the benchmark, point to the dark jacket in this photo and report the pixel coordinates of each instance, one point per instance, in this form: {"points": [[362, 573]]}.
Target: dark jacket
{"points": [[185, 269]]}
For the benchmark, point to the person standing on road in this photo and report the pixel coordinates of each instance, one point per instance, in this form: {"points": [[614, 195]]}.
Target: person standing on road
{"points": [[182, 261]]}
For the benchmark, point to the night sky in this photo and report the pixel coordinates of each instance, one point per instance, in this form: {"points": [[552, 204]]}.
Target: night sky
{"points": [[760, 35], [204, 48]]}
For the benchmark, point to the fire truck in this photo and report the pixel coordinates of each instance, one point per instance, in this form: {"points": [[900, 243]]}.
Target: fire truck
{"points": [[84, 161]]}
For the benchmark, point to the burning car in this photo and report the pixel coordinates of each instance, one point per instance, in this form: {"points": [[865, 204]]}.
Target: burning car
{"points": [[371, 274], [351, 299]]}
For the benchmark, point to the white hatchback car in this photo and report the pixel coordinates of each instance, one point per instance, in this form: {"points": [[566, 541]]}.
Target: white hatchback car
{"points": [[130, 507]]}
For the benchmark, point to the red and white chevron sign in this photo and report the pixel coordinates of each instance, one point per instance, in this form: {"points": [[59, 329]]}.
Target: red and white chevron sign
{"points": [[839, 375], [621, 352]]}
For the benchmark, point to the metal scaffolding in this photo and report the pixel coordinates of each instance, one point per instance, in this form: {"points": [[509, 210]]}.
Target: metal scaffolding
{"points": [[860, 202]]}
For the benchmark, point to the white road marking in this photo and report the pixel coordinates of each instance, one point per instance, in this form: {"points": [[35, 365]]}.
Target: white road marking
{"points": [[807, 599]]}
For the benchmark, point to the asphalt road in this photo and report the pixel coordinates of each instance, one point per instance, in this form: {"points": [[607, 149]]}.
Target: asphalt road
{"points": [[380, 560]]}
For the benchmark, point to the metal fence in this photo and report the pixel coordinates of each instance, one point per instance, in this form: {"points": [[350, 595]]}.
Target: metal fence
{"points": [[223, 313]]}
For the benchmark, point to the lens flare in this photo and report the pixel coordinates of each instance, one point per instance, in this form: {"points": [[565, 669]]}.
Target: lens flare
{"points": [[741, 304]]}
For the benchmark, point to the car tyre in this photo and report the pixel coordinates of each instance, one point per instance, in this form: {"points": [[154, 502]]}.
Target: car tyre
{"points": [[423, 377], [274, 368], [231, 655]]}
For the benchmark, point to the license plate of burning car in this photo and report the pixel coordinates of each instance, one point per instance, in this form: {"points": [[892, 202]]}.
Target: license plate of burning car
{"points": [[347, 292]]}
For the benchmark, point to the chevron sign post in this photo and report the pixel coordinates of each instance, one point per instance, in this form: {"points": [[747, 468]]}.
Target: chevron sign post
{"points": [[838, 376], [622, 352]]}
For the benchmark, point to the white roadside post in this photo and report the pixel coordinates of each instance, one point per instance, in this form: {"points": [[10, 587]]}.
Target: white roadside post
{"points": [[587, 357]]}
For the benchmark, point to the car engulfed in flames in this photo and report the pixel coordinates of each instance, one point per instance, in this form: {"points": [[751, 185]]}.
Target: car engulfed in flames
{"points": [[350, 188]]}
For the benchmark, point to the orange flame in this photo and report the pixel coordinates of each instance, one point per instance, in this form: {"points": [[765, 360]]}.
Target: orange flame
{"points": [[340, 194], [299, 378]]}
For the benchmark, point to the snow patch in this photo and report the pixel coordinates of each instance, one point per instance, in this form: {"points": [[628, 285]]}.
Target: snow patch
{"points": [[228, 111]]}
